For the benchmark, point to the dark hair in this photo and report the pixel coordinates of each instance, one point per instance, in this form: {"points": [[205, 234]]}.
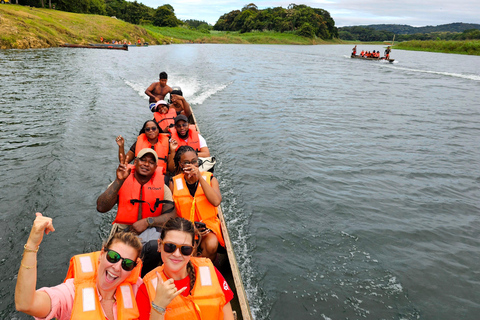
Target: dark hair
{"points": [[128, 238], [180, 152], [145, 124], [181, 224], [163, 75]]}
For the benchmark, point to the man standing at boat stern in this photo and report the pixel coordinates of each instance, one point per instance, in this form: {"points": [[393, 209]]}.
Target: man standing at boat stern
{"points": [[144, 203], [157, 90]]}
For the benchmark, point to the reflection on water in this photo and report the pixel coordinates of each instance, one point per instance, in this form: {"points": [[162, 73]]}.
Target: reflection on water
{"points": [[350, 187]]}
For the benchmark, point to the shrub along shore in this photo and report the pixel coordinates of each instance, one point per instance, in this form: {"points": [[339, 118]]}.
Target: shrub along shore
{"points": [[471, 47], [24, 27]]}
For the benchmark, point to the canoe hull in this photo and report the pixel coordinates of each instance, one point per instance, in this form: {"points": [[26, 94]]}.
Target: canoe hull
{"points": [[94, 46], [374, 59]]}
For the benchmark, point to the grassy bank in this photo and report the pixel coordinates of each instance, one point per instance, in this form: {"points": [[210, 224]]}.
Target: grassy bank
{"points": [[25, 27], [471, 47]]}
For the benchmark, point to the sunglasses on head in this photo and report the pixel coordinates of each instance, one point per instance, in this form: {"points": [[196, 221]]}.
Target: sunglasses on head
{"points": [[114, 257], [170, 247]]}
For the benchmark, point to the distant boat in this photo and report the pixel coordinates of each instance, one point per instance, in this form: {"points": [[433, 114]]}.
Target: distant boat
{"points": [[376, 59], [97, 46]]}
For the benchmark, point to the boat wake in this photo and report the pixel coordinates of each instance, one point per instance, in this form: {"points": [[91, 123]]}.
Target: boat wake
{"points": [[449, 74], [195, 93]]}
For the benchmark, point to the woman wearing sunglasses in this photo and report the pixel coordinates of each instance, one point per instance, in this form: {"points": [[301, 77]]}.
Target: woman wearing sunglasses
{"points": [[197, 195], [149, 136], [184, 287], [99, 285]]}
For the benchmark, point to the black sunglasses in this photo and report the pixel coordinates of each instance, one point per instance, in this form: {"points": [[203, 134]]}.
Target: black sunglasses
{"points": [[151, 129], [114, 257], [170, 247]]}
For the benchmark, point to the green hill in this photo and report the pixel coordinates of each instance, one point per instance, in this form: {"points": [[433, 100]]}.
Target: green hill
{"points": [[406, 29]]}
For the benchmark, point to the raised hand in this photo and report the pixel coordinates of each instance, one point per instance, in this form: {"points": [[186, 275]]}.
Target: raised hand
{"points": [[120, 141], [41, 225], [173, 144], [166, 292], [123, 171]]}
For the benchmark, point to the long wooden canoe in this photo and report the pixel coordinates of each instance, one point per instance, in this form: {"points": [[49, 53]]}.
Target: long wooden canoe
{"points": [[95, 46], [375, 59], [229, 269]]}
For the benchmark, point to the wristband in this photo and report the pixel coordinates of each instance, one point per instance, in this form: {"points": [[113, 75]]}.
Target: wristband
{"points": [[25, 249], [158, 308]]}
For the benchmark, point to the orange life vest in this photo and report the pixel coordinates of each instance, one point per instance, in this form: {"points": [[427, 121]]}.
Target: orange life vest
{"points": [[165, 120], [198, 208], [161, 147], [86, 304], [193, 139], [206, 299], [129, 198]]}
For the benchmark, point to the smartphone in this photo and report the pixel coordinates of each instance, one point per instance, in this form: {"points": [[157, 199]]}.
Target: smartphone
{"points": [[200, 225]]}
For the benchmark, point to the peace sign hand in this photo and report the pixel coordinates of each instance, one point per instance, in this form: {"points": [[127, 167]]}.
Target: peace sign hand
{"points": [[123, 171]]}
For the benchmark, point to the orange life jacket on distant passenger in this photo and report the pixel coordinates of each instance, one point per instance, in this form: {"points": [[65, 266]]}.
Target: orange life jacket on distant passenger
{"points": [[129, 198], [165, 120], [206, 299], [198, 208], [86, 304], [161, 148], [193, 139]]}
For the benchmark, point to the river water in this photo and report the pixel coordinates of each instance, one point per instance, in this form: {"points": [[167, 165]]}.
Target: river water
{"points": [[351, 188]]}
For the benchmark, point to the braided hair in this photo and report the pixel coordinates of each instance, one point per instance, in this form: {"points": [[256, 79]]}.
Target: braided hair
{"points": [[178, 155], [181, 224]]}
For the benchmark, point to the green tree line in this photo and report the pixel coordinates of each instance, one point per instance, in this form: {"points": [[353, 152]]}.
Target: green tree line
{"points": [[132, 12], [360, 33], [301, 19]]}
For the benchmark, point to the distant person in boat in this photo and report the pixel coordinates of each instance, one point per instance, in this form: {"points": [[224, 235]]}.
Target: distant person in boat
{"points": [[197, 195], [149, 136], [354, 51], [157, 90], [144, 203], [181, 105], [184, 134], [362, 53], [93, 280], [184, 285], [387, 53], [164, 115]]}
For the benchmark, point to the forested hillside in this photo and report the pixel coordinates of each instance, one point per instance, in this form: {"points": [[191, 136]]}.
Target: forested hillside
{"points": [[444, 32], [405, 29], [301, 19]]}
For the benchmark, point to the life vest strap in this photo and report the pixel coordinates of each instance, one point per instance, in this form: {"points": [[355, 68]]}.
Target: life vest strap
{"points": [[155, 206]]}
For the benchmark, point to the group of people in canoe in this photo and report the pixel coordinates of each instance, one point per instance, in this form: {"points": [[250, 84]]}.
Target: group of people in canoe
{"points": [[372, 54], [158, 262]]}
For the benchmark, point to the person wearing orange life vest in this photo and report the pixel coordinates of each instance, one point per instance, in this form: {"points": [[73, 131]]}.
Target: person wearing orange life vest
{"points": [[164, 115], [144, 202], [197, 195], [148, 137], [184, 287], [387, 53], [105, 282], [183, 134]]}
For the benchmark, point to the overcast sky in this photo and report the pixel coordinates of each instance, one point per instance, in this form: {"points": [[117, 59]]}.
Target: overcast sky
{"points": [[345, 12]]}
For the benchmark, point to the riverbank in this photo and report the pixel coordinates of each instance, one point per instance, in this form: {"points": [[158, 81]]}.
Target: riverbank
{"points": [[23, 27], [470, 47]]}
